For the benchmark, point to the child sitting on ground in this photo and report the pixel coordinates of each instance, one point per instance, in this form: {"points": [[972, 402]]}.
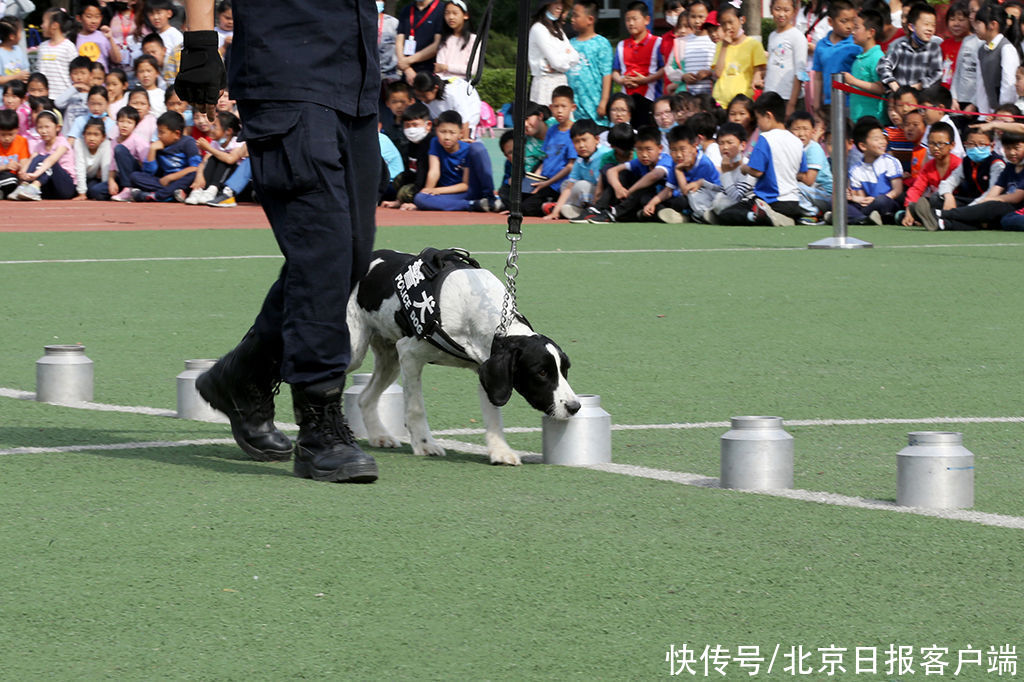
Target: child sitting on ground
{"points": [[876, 184], [130, 149], [737, 186], [222, 155], [51, 172], [94, 173], [632, 184], [933, 99], [170, 165], [578, 189], [776, 160], [418, 130], [691, 187], [13, 151], [974, 177], [988, 211], [942, 163], [619, 150], [816, 184], [460, 177]]}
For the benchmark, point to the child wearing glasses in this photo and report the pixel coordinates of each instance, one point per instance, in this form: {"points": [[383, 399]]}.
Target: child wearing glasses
{"points": [[942, 163]]}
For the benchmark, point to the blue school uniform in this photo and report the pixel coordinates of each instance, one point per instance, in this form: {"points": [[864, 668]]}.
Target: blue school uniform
{"points": [[639, 170], [832, 58], [558, 152], [703, 169]]}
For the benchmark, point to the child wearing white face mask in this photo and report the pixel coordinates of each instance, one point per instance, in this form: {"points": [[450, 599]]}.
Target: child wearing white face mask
{"points": [[417, 127]]}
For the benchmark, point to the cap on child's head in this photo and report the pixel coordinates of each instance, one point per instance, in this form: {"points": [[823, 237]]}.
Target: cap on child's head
{"points": [[712, 19]]}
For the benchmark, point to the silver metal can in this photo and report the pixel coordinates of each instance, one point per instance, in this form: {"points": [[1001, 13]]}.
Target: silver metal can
{"points": [[190, 404], [585, 438], [64, 375], [936, 471], [390, 407], [757, 454]]}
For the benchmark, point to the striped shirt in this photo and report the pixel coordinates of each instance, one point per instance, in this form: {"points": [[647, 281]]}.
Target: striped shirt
{"points": [[640, 58]]}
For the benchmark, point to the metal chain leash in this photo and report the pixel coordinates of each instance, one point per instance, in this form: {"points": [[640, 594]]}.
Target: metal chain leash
{"points": [[508, 306]]}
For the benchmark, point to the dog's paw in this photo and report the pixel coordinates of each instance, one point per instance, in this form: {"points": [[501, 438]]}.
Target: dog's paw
{"points": [[504, 455], [428, 447], [384, 441]]}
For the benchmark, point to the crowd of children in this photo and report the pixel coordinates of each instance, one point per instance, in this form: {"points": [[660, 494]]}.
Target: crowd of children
{"points": [[700, 124], [99, 119]]}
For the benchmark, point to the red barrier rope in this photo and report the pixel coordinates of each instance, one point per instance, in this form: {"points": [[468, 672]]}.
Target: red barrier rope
{"points": [[857, 91]]}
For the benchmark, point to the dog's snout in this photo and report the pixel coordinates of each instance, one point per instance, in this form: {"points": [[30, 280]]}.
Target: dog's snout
{"points": [[572, 407]]}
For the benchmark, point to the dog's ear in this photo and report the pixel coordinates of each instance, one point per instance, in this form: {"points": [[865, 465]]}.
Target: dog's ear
{"points": [[496, 371]]}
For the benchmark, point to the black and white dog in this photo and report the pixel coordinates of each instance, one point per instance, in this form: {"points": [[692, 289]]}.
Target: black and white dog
{"points": [[451, 310]]}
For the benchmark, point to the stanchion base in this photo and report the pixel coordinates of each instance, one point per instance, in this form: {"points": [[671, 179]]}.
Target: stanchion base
{"points": [[840, 243]]}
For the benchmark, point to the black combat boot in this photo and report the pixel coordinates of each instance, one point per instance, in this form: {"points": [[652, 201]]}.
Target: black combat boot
{"points": [[327, 450], [242, 385]]}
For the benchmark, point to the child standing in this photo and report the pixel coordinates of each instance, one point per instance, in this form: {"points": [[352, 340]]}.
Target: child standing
{"points": [[94, 172], [550, 54], [460, 176], [95, 40], [559, 154], [578, 189], [457, 40], [55, 54], [51, 172], [638, 66], [834, 54], [693, 55], [159, 13], [864, 71], [147, 72], [916, 58], [170, 165], [591, 78], [740, 60], [167, 66], [997, 60], [13, 58], [942, 163], [965, 73], [958, 26], [876, 184], [776, 160], [787, 55], [13, 152]]}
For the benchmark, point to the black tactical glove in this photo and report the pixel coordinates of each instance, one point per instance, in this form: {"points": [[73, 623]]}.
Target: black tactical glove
{"points": [[201, 76]]}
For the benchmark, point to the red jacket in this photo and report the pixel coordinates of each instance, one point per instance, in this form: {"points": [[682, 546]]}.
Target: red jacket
{"points": [[929, 177]]}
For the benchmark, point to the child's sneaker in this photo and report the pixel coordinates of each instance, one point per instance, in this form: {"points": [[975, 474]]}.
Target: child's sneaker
{"points": [[875, 218], [142, 195], [225, 199], [16, 192], [778, 219], [497, 206], [31, 193], [181, 197], [606, 216], [811, 220], [926, 214], [710, 218], [547, 207], [571, 212], [585, 215], [482, 205], [670, 216], [123, 195]]}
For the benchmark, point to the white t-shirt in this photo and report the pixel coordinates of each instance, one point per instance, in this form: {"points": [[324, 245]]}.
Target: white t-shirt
{"points": [[173, 39], [786, 153], [459, 96], [787, 58]]}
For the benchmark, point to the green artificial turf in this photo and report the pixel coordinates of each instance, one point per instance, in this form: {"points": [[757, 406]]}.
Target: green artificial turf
{"points": [[193, 562]]}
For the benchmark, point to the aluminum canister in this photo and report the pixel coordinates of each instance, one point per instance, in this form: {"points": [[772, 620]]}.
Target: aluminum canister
{"points": [[585, 438], [935, 470], [390, 407], [757, 454], [64, 375], [190, 404]]}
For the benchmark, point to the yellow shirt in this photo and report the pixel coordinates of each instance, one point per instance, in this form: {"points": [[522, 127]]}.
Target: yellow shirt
{"points": [[738, 76]]}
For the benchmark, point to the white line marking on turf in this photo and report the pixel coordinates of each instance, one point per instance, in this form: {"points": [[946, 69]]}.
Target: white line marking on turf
{"points": [[696, 480], [554, 252], [983, 518]]}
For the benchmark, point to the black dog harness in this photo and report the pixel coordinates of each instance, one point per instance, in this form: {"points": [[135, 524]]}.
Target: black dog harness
{"points": [[418, 286]]}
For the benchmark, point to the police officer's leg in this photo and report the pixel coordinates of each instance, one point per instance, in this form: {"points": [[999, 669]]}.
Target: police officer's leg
{"points": [[321, 205]]}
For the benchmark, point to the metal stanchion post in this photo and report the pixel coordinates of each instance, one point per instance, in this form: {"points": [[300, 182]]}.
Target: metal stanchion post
{"points": [[839, 238]]}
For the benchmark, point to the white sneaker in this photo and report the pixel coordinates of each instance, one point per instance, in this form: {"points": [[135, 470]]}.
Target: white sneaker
{"points": [[31, 193], [778, 219], [670, 216], [123, 195], [13, 196], [571, 212], [193, 198]]}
